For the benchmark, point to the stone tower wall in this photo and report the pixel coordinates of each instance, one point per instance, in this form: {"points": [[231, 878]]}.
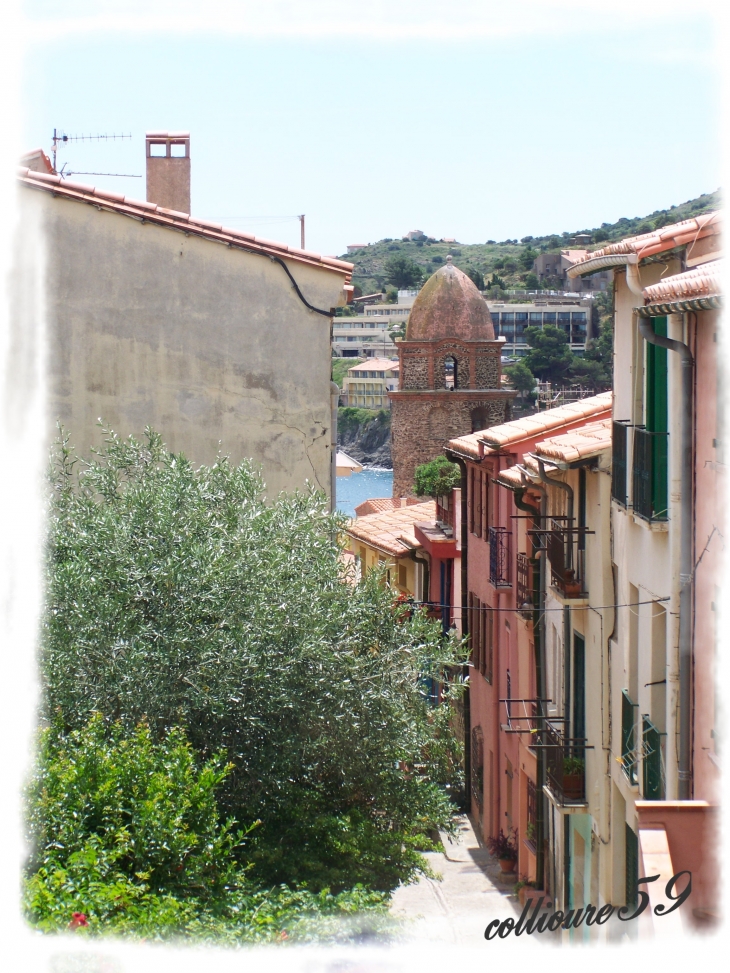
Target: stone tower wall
{"points": [[422, 424]]}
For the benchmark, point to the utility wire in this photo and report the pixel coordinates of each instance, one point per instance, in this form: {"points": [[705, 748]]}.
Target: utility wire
{"points": [[578, 608]]}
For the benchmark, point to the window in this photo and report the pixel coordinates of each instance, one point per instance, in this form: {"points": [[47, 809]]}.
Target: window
{"points": [[450, 372], [402, 576], [481, 629], [520, 321], [536, 318], [478, 503], [549, 317]]}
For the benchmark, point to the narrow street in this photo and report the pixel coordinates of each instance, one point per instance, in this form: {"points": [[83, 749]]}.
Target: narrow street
{"points": [[458, 908]]}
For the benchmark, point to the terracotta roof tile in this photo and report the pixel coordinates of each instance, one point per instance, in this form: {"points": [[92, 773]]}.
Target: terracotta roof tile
{"points": [[392, 530], [509, 434], [582, 443], [702, 281], [379, 504], [153, 213], [371, 364], [666, 238]]}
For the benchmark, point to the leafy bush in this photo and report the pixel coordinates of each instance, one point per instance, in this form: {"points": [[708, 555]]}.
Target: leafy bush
{"points": [[402, 272], [127, 832], [437, 478], [182, 597]]}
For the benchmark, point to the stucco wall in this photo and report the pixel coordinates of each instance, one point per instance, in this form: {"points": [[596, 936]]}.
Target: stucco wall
{"points": [[206, 344]]}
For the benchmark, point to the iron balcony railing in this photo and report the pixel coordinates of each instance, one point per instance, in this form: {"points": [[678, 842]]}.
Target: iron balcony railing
{"points": [[565, 765], [619, 462], [567, 562], [526, 575], [650, 478], [499, 557], [628, 737], [653, 773]]}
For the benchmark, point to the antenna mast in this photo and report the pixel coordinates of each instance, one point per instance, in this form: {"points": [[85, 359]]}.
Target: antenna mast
{"points": [[83, 138]]}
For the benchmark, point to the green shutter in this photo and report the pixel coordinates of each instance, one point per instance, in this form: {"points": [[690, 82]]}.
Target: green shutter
{"points": [[657, 418], [632, 866]]}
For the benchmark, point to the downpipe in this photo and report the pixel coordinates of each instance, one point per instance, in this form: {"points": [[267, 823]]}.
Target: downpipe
{"points": [[464, 536], [334, 401]]}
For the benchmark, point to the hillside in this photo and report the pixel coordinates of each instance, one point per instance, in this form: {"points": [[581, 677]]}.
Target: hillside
{"points": [[504, 257]]}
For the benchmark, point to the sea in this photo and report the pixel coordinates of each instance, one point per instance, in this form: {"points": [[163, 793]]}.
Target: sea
{"points": [[353, 489]]}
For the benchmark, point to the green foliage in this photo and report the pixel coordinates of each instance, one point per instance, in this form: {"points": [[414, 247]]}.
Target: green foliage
{"points": [[184, 598], [350, 418], [127, 806], [476, 277], [126, 831], [595, 369], [573, 765], [549, 356], [528, 258], [521, 378], [402, 272], [531, 282], [504, 846], [437, 478], [340, 367]]}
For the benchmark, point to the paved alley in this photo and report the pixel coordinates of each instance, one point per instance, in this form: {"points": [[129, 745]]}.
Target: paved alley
{"points": [[458, 908]]}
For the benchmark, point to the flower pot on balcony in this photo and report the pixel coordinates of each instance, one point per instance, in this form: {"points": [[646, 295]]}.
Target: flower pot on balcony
{"points": [[507, 865], [572, 589], [573, 786]]}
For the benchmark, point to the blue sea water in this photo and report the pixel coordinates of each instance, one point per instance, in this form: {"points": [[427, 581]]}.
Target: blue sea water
{"points": [[353, 489]]}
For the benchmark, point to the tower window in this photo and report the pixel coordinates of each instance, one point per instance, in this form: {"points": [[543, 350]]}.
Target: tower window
{"points": [[450, 372]]}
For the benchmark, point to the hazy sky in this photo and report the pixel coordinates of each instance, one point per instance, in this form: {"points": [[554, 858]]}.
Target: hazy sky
{"points": [[472, 120]]}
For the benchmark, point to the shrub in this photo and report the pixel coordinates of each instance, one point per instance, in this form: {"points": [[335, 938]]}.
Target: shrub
{"points": [[437, 478], [184, 597]]}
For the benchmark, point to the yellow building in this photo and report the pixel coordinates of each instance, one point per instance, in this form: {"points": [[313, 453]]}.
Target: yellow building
{"points": [[388, 538], [367, 385]]}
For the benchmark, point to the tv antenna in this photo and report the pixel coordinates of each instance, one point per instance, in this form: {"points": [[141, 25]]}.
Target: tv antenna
{"points": [[60, 138]]}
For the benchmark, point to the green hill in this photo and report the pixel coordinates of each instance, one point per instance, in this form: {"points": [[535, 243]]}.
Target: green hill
{"points": [[509, 258]]}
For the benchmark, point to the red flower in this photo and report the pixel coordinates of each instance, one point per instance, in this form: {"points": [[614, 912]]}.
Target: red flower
{"points": [[78, 919]]}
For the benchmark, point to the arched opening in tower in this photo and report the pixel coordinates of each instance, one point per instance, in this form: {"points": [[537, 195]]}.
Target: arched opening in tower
{"points": [[450, 372]]}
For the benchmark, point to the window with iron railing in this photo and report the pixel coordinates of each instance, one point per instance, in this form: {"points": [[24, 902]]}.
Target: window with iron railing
{"points": [[566, 567], [499, 557], [565, 765], [653, 774], [619, 462], [526, 569], [628, 737], [650, 480]]}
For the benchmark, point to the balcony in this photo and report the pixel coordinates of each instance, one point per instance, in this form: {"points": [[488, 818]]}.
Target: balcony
{"points": [[651, 456], [499, 557], [566, 766], [567, 560], [526, 574]]}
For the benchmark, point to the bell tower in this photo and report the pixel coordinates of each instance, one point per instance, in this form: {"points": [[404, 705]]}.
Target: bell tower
{"points": [[450, 374]]}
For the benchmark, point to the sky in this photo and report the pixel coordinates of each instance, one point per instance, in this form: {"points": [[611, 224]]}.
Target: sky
{"points": [[474, 121]]}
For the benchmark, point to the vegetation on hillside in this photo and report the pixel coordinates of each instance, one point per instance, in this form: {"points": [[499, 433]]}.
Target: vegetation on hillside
{"points": [[340, 368], [221, 641], [507, 263]]}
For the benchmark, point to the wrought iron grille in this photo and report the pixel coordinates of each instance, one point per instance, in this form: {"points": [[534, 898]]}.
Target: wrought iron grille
{"points": [[618, 463], [525, 585], [628, 737], [499, 557], [652, 762], [565, 762], [651, 455], [565, 566]]}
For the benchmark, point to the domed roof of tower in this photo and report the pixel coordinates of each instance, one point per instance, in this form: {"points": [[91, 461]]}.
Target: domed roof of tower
{"points": [[449, 306]]}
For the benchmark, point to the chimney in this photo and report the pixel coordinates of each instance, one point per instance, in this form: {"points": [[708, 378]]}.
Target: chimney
{"points": [[168, 170]]}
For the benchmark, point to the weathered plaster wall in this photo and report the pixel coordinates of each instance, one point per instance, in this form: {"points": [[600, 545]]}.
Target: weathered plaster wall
{"points": [[208, 345]]}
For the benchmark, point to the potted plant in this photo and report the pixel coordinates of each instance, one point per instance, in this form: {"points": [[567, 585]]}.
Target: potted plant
{"points": [[574, 769], [571, 585], [504, 848]]}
